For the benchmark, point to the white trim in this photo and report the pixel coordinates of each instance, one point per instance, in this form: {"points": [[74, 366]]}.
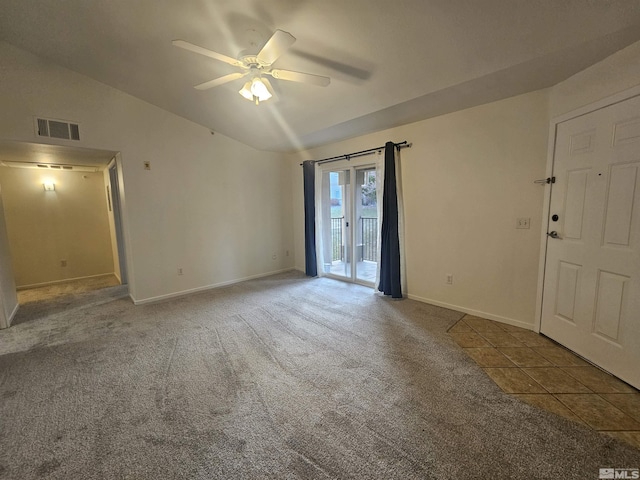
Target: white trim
{"points": [[12, 314], [55, 282], [477, 313], [542, 261], [592, 107], [183, 293]]}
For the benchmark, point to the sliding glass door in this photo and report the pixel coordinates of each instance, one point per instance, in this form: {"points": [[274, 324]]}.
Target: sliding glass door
{"points": [[350, 224]]}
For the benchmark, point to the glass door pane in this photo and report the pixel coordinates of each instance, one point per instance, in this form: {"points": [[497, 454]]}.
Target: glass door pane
{"points": [[336, 220], [366, 226]]}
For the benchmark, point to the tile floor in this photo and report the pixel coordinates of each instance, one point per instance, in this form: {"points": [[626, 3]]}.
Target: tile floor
{"points": [[542, 373]]}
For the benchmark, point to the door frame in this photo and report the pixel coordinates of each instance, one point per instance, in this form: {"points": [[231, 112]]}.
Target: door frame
{"points": [[113, 172], [551, 147]]}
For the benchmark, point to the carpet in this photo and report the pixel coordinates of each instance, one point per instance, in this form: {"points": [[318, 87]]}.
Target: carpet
{"points": [[281, 377]]}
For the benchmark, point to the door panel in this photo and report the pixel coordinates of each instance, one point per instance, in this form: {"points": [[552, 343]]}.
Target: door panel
{"points": [[620, 203], [574, 203], [591, 297], [568, 277]]}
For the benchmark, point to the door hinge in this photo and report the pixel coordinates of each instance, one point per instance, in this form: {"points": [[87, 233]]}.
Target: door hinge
{"points": [[544, 181]]}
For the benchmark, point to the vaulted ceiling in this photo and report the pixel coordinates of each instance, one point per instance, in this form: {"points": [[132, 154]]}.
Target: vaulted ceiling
{"points": [[390, 62]]}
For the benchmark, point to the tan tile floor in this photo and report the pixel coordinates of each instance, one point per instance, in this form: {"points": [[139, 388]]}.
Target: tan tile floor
{"points": [[544, 374]]}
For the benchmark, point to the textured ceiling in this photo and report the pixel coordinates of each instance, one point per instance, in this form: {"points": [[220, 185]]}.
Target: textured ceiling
{"points": [[391, 62]]}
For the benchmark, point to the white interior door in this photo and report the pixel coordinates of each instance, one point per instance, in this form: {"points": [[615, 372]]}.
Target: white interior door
{"points": [[591, 297]]}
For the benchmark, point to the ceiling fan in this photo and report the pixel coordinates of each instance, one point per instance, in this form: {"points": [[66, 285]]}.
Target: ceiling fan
{"points": [[257, 67]]}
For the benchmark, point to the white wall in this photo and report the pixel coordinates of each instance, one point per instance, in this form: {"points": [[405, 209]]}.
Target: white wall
{"points": [[69, 223], [8, 297], [467, 178], [614, 74], [214, 207]]}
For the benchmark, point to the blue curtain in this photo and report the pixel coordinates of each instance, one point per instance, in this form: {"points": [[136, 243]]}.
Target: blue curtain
{"points": [[390, 239], [309, 177]]}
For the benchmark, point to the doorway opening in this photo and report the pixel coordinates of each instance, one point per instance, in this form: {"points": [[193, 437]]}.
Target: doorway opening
{"points": [[62, 217]]}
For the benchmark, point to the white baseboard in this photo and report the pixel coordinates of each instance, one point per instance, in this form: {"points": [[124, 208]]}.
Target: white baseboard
{"points": [[55, 282], [183, 293], [477, 313]]}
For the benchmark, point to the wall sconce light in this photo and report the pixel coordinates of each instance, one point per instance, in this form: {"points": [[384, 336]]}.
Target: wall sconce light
{"points": [[49, 186]]}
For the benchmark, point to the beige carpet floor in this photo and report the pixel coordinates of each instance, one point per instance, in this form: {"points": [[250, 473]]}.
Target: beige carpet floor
{"points": [[283, 377], [72, 287]]}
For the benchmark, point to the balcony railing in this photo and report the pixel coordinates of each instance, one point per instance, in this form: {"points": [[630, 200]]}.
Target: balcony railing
{"points": [[368, 239], [336, 238]]}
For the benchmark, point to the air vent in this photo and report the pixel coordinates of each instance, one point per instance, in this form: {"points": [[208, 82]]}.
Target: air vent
{"points": [[48, 127], [42, 127]]}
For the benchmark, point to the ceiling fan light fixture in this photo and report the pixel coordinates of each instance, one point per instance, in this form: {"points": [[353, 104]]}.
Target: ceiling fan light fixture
{"points": [[245, 91], [257, 90], [260, 90], [256, 66]]}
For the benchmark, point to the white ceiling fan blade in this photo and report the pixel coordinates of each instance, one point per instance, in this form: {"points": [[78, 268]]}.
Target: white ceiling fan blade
{"points": [[208, 53], [220, 81], [292, 76], [279, 42]]}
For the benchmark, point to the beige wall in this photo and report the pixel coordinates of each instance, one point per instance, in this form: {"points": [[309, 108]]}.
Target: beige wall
{"points": [[214, 207], [467, 178], [8, 297], [45, 228]]}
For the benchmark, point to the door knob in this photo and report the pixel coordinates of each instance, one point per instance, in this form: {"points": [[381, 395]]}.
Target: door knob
{"points": [[554, 234]]}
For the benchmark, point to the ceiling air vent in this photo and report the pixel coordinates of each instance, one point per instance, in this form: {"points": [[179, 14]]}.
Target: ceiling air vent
{"points": [[48, 127]]}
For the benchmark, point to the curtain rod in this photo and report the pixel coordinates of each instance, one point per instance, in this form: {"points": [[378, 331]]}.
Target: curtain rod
{"points": [[349, 156]]}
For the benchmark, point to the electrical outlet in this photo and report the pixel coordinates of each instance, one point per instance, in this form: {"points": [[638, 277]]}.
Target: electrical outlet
{"points": [[147, 165], [449, 279], [274, 256], [63, 263], [523, 223], [180, 271]]}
